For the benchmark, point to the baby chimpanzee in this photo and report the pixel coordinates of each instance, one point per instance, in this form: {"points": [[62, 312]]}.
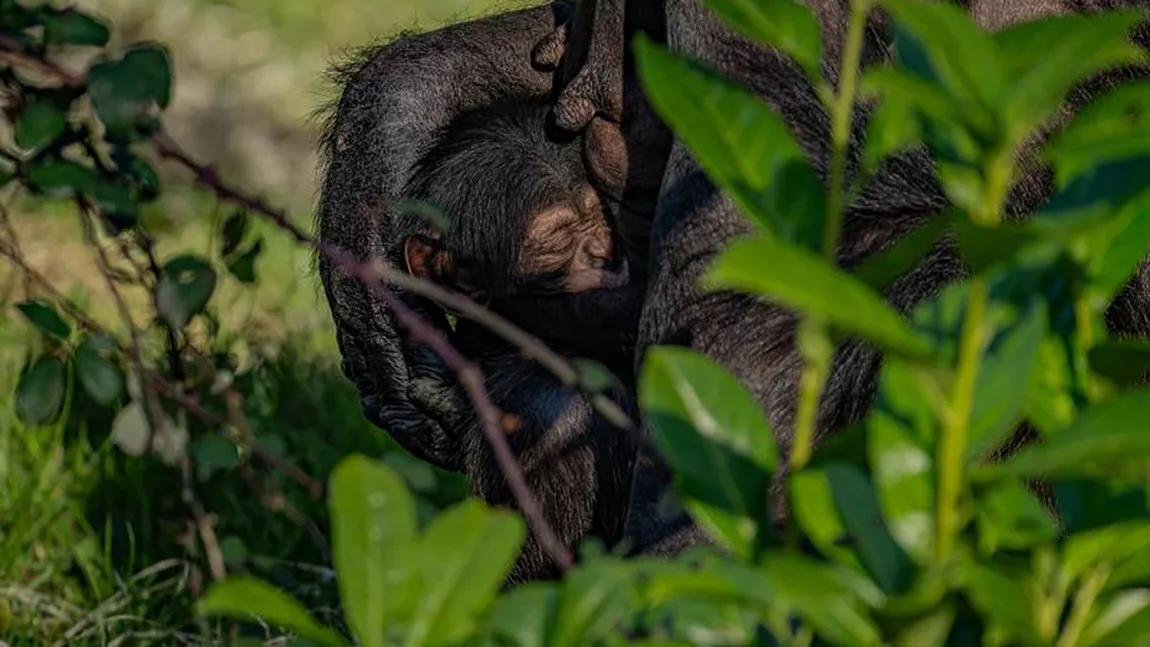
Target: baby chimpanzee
{"points": [[530, 237]]}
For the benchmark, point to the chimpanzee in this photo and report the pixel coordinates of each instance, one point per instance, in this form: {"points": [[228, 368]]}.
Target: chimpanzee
{"points": [[529, 236]]}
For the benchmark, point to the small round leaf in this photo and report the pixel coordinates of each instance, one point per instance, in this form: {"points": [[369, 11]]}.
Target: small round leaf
{"points": [[44, 316], [130, 430], [125, 92], [185, 286], [212, 454], [101, 378], [72, 27], [243, 267], [40, 392], [39, 124], [57, 178]]}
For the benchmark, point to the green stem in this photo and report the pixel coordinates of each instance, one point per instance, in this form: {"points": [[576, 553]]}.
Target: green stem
{"points": [[841, 113], [817, 353], [1084, 601]]}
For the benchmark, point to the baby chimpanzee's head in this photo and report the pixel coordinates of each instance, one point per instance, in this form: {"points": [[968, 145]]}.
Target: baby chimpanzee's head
{"points": [[524, 219]]}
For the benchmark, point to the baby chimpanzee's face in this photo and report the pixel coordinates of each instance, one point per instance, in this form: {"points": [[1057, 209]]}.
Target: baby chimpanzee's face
{"points": [[570, 247]]}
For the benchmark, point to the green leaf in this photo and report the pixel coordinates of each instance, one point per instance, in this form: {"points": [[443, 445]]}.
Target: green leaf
{"points": [[1113, 127], [126, 91], [826, 597], [186, 283], [893, 128], [880, 270], [1108, 440], [40, 392], [1128, 246], [1050, 400], [1088, 505], [1120, 547], [42, 315], [1010, 518], [838, 501], [1122, 621], [213, 454], [243, 267], [594, 376], [1003, 598], [373, 546], [716, 438], [72, 27], [234, 550], [131, 431], [1125, 362], [40, 123], [743, 146], [802, 281], [523, 616], [1044, 59], [147, 180], [243, 597], [101, 378], [784, 25], [233, 231], [901, 431], [466, 554], [56, 178], [593, 601], [1004, 381], [116, 203], [929, 631]]}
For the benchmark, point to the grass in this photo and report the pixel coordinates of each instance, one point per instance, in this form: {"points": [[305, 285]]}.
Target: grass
{"points": [[92, 543]]}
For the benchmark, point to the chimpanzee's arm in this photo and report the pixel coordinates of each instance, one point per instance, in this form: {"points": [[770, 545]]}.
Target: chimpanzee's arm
{"points": [[394, 102]]}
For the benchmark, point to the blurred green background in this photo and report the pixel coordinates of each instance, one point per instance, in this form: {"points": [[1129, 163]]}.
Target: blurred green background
{"points": [[89, 549]]}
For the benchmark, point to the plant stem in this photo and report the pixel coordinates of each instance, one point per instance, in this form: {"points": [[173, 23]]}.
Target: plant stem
{"points": [[1083, 602], [816, 349]]}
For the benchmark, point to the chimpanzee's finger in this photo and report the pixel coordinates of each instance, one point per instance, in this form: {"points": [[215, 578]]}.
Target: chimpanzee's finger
{"points": [[548, 53]]}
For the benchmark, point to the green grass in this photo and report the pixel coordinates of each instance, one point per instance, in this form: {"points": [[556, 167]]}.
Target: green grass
{"points": [[90, 540]]}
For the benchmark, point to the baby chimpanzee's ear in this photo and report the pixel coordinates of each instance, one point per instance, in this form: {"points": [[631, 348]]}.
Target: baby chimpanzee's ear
{"points": [[426, 258]]}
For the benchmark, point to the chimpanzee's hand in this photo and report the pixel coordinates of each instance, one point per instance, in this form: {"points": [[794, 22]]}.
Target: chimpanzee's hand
{"points": [[590, 48]]}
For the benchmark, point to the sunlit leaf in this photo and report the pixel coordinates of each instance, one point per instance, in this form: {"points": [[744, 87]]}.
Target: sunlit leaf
{"points": [[593, 599], [523, 616], [827, 597], [243, 597], [784, 25], [1010, 518], [1003, 597]]}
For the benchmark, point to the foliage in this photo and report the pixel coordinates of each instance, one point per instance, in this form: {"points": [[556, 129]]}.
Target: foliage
{"points": [[907, 529]]}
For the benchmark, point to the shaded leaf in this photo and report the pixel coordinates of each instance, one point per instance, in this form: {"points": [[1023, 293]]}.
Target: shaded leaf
{"points": [[716, 438], [131, 431], [892, 129], [40, 123], [739, 141], [1087, 505], [101, 378], [126, 91], [1125, 362], [213, 454], [72, 27], [44, 316], [147, 180], [929, 631], [1002, 596], [186, 283], [594, 376], [40, 392], [233, 231], [523, 616], [1120, 547], [880, 270], [243, 267], [1122, 621], [373, 545], [466, 553], [802, 281], [56, 178], [243, 597], [1010, 518], [826, 597]]}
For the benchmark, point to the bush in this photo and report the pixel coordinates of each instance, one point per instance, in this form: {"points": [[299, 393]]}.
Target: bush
{"points": [[905, 529]]}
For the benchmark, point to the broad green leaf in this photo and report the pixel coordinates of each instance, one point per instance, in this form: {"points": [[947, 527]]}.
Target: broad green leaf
{"points": [[1113, 127], [1107, 440], [126, 91], [1003, 382], [212, 454], [146, 179], [784, 25], [1088, 505], [44, 316], [243, 266], [373, 545], [131, 431], [882, 269], [234, 550], [40, 392], [901, 432], [1003, 597], [1120, 547], [186, 283], [838, 501], [1050, 400], [892, 129], [800, 280], [594, 599], [1122, 621], [243, 597], [594, 376], [72, 27], [1129, 245], [1010, 518], [1125, 362], [61, 178], [116, 203], [465, 556], [716, 438], [39, 124], [929, 631], [743, 146], [1044, 59], [101, 378], [523, 616], [949, 47], [827, 597]]}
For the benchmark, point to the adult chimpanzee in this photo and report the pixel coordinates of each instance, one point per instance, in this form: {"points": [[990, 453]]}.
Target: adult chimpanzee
{"points": [[694, 221], [529, 236]]}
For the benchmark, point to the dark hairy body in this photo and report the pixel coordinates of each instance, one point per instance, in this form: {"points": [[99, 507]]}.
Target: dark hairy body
{"points": [[692, 223], [529, 236]]}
